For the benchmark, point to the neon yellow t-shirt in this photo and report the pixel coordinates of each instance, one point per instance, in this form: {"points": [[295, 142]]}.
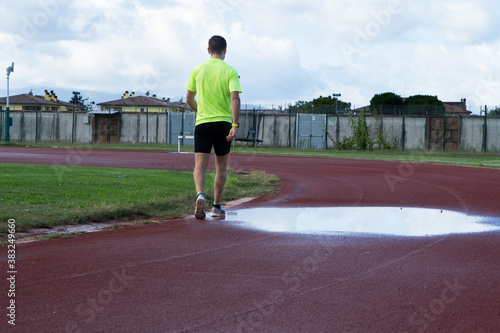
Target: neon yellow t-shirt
{"points": [[213, 81]]}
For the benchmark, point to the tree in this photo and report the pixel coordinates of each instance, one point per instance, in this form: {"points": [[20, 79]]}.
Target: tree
{"points": [[78, 99], [423, 100], [387, 98], [495, 112], [329, 104], [423, 105], [303, 106], [385, 103]]}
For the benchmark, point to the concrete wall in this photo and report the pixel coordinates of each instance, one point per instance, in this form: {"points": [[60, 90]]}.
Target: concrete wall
{"points": [[30, 126], [275, 130], [84, 128], [415, 132], [493, 137], [144, 128], [472, 134], [129, 131], [338, 129]]}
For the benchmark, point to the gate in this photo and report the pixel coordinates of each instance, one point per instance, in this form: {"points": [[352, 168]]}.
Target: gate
{"points": [[181, 123], [443, 132], [311, 131], [107, 127]]}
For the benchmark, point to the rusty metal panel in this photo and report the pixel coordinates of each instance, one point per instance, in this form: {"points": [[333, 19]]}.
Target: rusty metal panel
{"points": [[436, 127], [105, 124]]}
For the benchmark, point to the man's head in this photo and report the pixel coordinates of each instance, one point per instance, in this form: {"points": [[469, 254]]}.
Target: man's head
{"points": [[217, 46]]}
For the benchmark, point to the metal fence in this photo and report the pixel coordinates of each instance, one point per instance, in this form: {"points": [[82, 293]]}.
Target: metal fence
{"points": [[436, 130]]}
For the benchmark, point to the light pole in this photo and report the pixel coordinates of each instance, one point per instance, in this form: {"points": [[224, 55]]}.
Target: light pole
{"points": [[8, 122], [336, 102]]}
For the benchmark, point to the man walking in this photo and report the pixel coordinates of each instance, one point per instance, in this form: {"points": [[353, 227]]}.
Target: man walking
{"points": [[218, 87]]}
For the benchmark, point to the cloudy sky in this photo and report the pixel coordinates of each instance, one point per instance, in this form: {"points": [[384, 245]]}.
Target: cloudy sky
{"points": [[284, 50]]}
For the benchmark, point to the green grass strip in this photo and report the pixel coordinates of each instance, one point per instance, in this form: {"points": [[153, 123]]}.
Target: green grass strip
{"points": [[47, 196]]}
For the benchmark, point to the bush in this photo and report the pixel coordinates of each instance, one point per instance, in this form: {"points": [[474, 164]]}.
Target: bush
{"points": [[361, 139]]}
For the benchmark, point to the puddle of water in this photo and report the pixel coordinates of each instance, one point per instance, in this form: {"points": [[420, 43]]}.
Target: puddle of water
{"points": [[379, 220], [86, 227]]}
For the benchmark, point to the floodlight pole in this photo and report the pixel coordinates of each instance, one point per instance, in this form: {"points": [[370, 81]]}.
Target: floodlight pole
{"points": [[336, 102], [7, 109]]}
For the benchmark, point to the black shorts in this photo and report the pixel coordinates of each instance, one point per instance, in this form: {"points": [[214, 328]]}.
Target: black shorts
{"points": [[210, 135]]}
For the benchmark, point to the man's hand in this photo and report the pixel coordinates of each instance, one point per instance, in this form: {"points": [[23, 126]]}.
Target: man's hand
{"points": [[232, 134]]}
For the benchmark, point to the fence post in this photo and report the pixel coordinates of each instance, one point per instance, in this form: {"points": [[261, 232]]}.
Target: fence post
{"points": [[485, 131], [182, 126], [290, 126], [1, 122], [73, 126], [403, 133], [109, 126], [444, 128], [297, 131], [326, 127], [256, 126], [36, 123]]}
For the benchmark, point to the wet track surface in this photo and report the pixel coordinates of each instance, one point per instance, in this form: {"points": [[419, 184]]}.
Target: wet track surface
{"points": [[222, 276]]}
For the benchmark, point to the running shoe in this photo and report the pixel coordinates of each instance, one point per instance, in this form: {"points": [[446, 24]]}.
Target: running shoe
{"points": [[199, 212], [218, 212]]}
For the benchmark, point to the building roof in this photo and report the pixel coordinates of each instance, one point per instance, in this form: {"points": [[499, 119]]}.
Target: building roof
{"points": [[455, 109], [29, 99], [144, 101], [135, 101]]}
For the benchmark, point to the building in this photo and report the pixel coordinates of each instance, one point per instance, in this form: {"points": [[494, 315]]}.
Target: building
{"points": [[458, 108], [29, 102], [131, 103], [451, 108]]}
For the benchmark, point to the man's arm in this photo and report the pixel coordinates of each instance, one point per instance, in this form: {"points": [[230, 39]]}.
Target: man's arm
{"points": [[191, 101], [235, 106], [235, 110]]}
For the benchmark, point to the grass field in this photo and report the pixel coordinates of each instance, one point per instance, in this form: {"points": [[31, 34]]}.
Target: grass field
{"points": [[44, 196]]}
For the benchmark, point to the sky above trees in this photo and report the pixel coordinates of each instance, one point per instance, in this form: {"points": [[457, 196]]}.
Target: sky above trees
{"points": [[284, 51]]}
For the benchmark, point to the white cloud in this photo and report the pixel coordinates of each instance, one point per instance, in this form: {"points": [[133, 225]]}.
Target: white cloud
{"points": [[463, 22], [285, 51]]}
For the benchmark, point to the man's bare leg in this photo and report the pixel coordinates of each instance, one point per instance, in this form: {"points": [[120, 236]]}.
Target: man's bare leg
{"points": [[220, 177], [200, 168]]}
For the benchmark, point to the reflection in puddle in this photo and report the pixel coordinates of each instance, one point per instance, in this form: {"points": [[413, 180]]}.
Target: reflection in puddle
{"points": [[379, 220]]}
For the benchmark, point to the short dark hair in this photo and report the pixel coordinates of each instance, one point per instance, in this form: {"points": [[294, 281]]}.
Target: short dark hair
{"points": [[217, 44]]}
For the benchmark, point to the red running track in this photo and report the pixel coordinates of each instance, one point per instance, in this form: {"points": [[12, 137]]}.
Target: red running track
{"points": [[191, 276]]}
